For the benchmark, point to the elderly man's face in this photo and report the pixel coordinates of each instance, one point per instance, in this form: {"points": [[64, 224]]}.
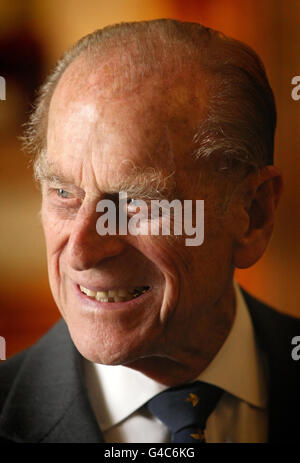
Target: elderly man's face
{"points": [[100, 143]]}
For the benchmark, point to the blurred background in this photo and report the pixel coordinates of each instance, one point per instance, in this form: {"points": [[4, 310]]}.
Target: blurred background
{"points": [[33, 35]]}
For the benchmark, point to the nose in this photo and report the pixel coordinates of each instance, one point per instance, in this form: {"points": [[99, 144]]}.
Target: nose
{"points": [[86, 248]]}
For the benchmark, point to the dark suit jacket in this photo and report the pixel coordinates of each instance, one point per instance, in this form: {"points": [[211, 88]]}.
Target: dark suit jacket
{"points": [[43, 397]]}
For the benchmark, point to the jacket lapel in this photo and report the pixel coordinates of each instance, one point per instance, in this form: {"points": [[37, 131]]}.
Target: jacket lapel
{"points": [[274, 332], [48, 401]]}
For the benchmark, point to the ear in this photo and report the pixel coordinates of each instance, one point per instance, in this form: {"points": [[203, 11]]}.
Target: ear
{"points": [[260, 193]]}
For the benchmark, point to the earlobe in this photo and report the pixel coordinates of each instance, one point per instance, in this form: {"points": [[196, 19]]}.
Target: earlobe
{"points": [[265, 190], [250, 249]]}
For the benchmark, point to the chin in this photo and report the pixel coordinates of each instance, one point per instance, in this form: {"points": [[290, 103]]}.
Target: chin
{"points": [[106, 357], [114, 334], [106, 350]]}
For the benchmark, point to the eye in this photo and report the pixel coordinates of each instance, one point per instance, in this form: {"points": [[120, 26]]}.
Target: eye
{"points": [[62, 193], [132, 205], [133, 202], [135, 206]]}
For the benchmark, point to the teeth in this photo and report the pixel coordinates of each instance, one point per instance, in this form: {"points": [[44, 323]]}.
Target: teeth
{"points": [[119, 299], [88, 292], [122, 292], [101, 295], [114, 295], [91, 293]]}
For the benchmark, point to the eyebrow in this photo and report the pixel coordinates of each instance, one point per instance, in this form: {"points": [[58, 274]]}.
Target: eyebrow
{"points": [[144, 183], [49, 173], [56, 178]]}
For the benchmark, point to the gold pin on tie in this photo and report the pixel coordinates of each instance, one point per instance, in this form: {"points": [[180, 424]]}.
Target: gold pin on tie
{"points": [[192, 398], [199, 435]]}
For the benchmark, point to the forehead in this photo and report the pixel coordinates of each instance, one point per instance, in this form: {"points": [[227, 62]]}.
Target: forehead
{"points": [[151, 123]]}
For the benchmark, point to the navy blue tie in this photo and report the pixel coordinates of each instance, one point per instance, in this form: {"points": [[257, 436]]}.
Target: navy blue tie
{"points": [[185, 410]]}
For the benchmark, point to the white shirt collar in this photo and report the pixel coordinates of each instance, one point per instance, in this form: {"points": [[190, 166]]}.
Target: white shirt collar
{"points": [[117, 391], [238, 366]]}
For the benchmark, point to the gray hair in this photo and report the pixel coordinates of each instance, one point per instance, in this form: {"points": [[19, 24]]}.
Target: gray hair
{"points": [[240, 114]]}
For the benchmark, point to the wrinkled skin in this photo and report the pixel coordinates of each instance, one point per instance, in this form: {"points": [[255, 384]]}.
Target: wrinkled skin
{"points": [[96, 142]]}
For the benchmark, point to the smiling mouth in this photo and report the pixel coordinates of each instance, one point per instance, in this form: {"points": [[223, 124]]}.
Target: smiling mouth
{"points": [[115, 295]]}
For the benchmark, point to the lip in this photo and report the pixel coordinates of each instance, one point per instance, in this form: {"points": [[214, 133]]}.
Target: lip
{"points": [[106, 288], [93, 304], [98, 287]]}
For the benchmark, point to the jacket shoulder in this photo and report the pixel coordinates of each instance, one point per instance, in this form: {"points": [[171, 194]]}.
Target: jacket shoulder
{"points": [[275, 331], [9, 370], [261, 311]]}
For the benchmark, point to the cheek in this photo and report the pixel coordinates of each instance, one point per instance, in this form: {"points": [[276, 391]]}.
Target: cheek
{"points": [[56, 231], [211, 264], [169, 255], [162, 252], [56, 234]]}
